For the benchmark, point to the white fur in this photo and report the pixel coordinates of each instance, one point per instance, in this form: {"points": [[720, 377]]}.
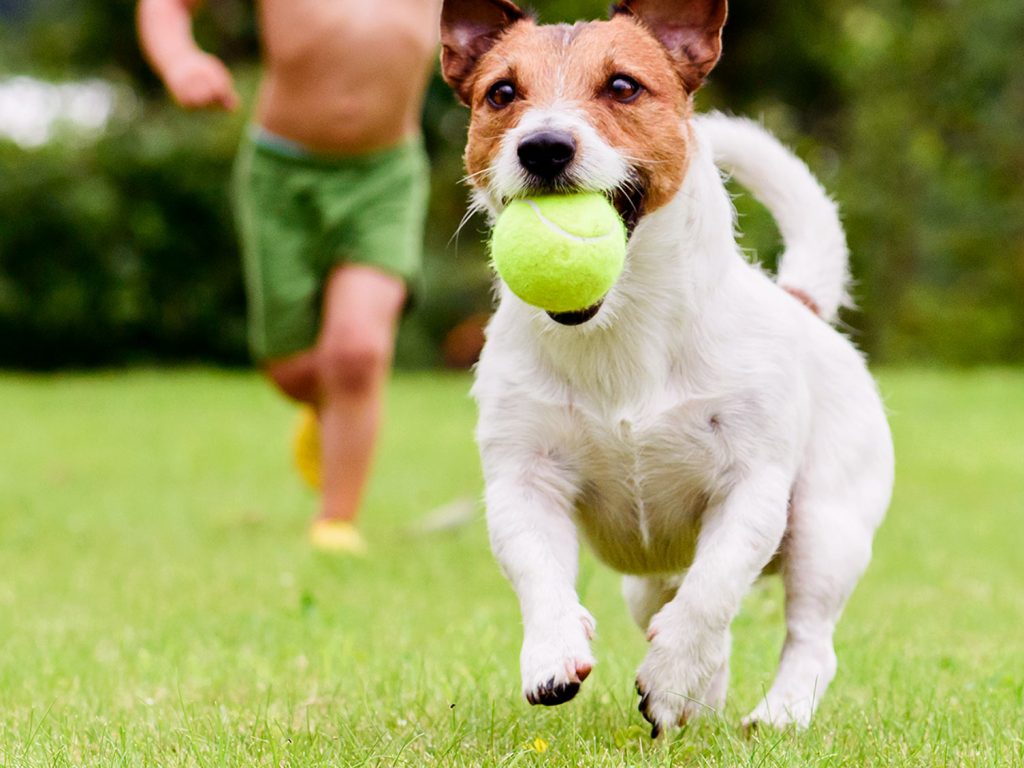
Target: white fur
{"points": [[816, 259], [703, 422]]}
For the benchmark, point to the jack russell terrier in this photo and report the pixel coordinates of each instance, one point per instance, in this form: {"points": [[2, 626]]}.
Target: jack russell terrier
{"points": [[703, 423]]}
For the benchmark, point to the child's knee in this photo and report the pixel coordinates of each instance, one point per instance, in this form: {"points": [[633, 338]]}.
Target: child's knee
{"points": [[354, 364]]}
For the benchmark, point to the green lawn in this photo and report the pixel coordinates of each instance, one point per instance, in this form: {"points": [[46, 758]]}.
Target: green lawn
{"points": [[159, 605]]}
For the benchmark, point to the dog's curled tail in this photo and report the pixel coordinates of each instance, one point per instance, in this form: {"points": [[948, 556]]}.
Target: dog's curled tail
{"points": [[814, 266]]}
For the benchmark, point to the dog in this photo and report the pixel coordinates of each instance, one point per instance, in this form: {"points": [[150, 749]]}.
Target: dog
{"points": [[703, 423]]}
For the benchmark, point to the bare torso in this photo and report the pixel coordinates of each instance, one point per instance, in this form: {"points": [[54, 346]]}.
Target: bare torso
{"points": [[343, 76]]}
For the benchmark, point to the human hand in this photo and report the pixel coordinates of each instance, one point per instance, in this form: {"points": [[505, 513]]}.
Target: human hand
{"points": [[200, 81]]}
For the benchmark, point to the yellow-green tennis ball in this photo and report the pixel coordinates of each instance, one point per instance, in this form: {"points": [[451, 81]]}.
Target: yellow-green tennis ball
{"points": [[561, 253]]}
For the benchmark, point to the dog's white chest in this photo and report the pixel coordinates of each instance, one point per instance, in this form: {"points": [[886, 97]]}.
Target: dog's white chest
{"points": [[647, 478]]}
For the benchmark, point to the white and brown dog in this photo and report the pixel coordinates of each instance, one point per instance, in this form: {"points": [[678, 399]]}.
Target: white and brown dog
{"points": [[701, 422]]}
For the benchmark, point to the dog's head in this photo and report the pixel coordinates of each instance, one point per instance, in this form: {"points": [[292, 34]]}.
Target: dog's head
{"points": [[596, 106]]}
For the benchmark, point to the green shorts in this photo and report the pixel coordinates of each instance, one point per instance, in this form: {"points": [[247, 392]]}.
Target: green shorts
{"points": [[299, 214]]}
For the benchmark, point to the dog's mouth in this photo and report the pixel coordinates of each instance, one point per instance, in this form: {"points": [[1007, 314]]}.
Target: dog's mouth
{"points": [[627, 198], [628, 201], [576, 317]]}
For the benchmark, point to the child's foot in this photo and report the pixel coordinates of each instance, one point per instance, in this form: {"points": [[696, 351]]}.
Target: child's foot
{"points": [[306, 447], [336, 536]]}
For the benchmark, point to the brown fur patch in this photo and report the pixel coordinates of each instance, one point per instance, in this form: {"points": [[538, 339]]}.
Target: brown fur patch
{"points": [[690, 31], [469, 28], [571, 65]]}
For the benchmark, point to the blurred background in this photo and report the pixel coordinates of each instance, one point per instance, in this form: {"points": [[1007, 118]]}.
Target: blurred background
{"points": [[116, 244]]}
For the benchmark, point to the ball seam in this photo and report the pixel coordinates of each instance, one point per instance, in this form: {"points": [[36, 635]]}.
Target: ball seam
{"points": [[553, 226]]}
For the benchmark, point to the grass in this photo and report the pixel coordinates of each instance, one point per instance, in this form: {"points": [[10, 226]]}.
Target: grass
{"points": [[159, 605]]}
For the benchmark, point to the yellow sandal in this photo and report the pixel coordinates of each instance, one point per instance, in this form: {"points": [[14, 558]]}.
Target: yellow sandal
{"points": [[306, 448], [336, 536]]}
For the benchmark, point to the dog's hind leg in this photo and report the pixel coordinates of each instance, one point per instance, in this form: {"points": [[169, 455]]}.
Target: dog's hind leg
{"points": [[837, 503], [714, 699], [827, 548], [645, 595]]}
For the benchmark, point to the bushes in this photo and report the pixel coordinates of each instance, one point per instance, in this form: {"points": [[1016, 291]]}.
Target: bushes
{"points": [[120, 250]]}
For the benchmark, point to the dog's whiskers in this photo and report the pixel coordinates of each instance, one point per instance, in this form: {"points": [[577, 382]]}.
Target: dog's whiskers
{"points": [[470, 176], [474, 207]]}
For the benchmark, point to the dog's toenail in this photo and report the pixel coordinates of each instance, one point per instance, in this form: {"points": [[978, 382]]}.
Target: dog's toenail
{"points": [[550, 694]]}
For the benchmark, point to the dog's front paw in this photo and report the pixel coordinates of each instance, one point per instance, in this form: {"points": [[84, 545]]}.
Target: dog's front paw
{"points": [[676, 674], [556, 658]]}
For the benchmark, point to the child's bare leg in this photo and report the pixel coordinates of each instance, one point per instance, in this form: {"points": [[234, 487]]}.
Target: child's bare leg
{"points": [[296, 376], [362, 306], [343, 377]]}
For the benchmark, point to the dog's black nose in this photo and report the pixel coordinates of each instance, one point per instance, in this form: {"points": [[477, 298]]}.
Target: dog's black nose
{"points": [[546, 153]]}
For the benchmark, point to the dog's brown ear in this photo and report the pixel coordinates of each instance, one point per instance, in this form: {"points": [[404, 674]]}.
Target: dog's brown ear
{"points": [[469, 28], [691, 30]]}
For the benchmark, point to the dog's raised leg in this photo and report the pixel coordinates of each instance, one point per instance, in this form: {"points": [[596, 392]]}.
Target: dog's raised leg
{"points": [[690, 635], [645, 596], [534, 540], [826, 551]]}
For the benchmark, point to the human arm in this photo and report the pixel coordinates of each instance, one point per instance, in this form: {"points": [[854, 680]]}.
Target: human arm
{"points": [[194, 78]]}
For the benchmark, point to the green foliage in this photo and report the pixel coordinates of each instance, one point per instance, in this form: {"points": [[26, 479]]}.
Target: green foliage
{"points": [[909, 111], [932, 183], [117, 249], [161, 606]]}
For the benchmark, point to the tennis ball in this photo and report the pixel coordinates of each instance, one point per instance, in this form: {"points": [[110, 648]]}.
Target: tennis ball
{"points": [[561, 253]]}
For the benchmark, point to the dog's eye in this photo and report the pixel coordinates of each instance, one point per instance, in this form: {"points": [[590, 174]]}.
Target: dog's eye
{"points": [[623, 88], [501, 94]]}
